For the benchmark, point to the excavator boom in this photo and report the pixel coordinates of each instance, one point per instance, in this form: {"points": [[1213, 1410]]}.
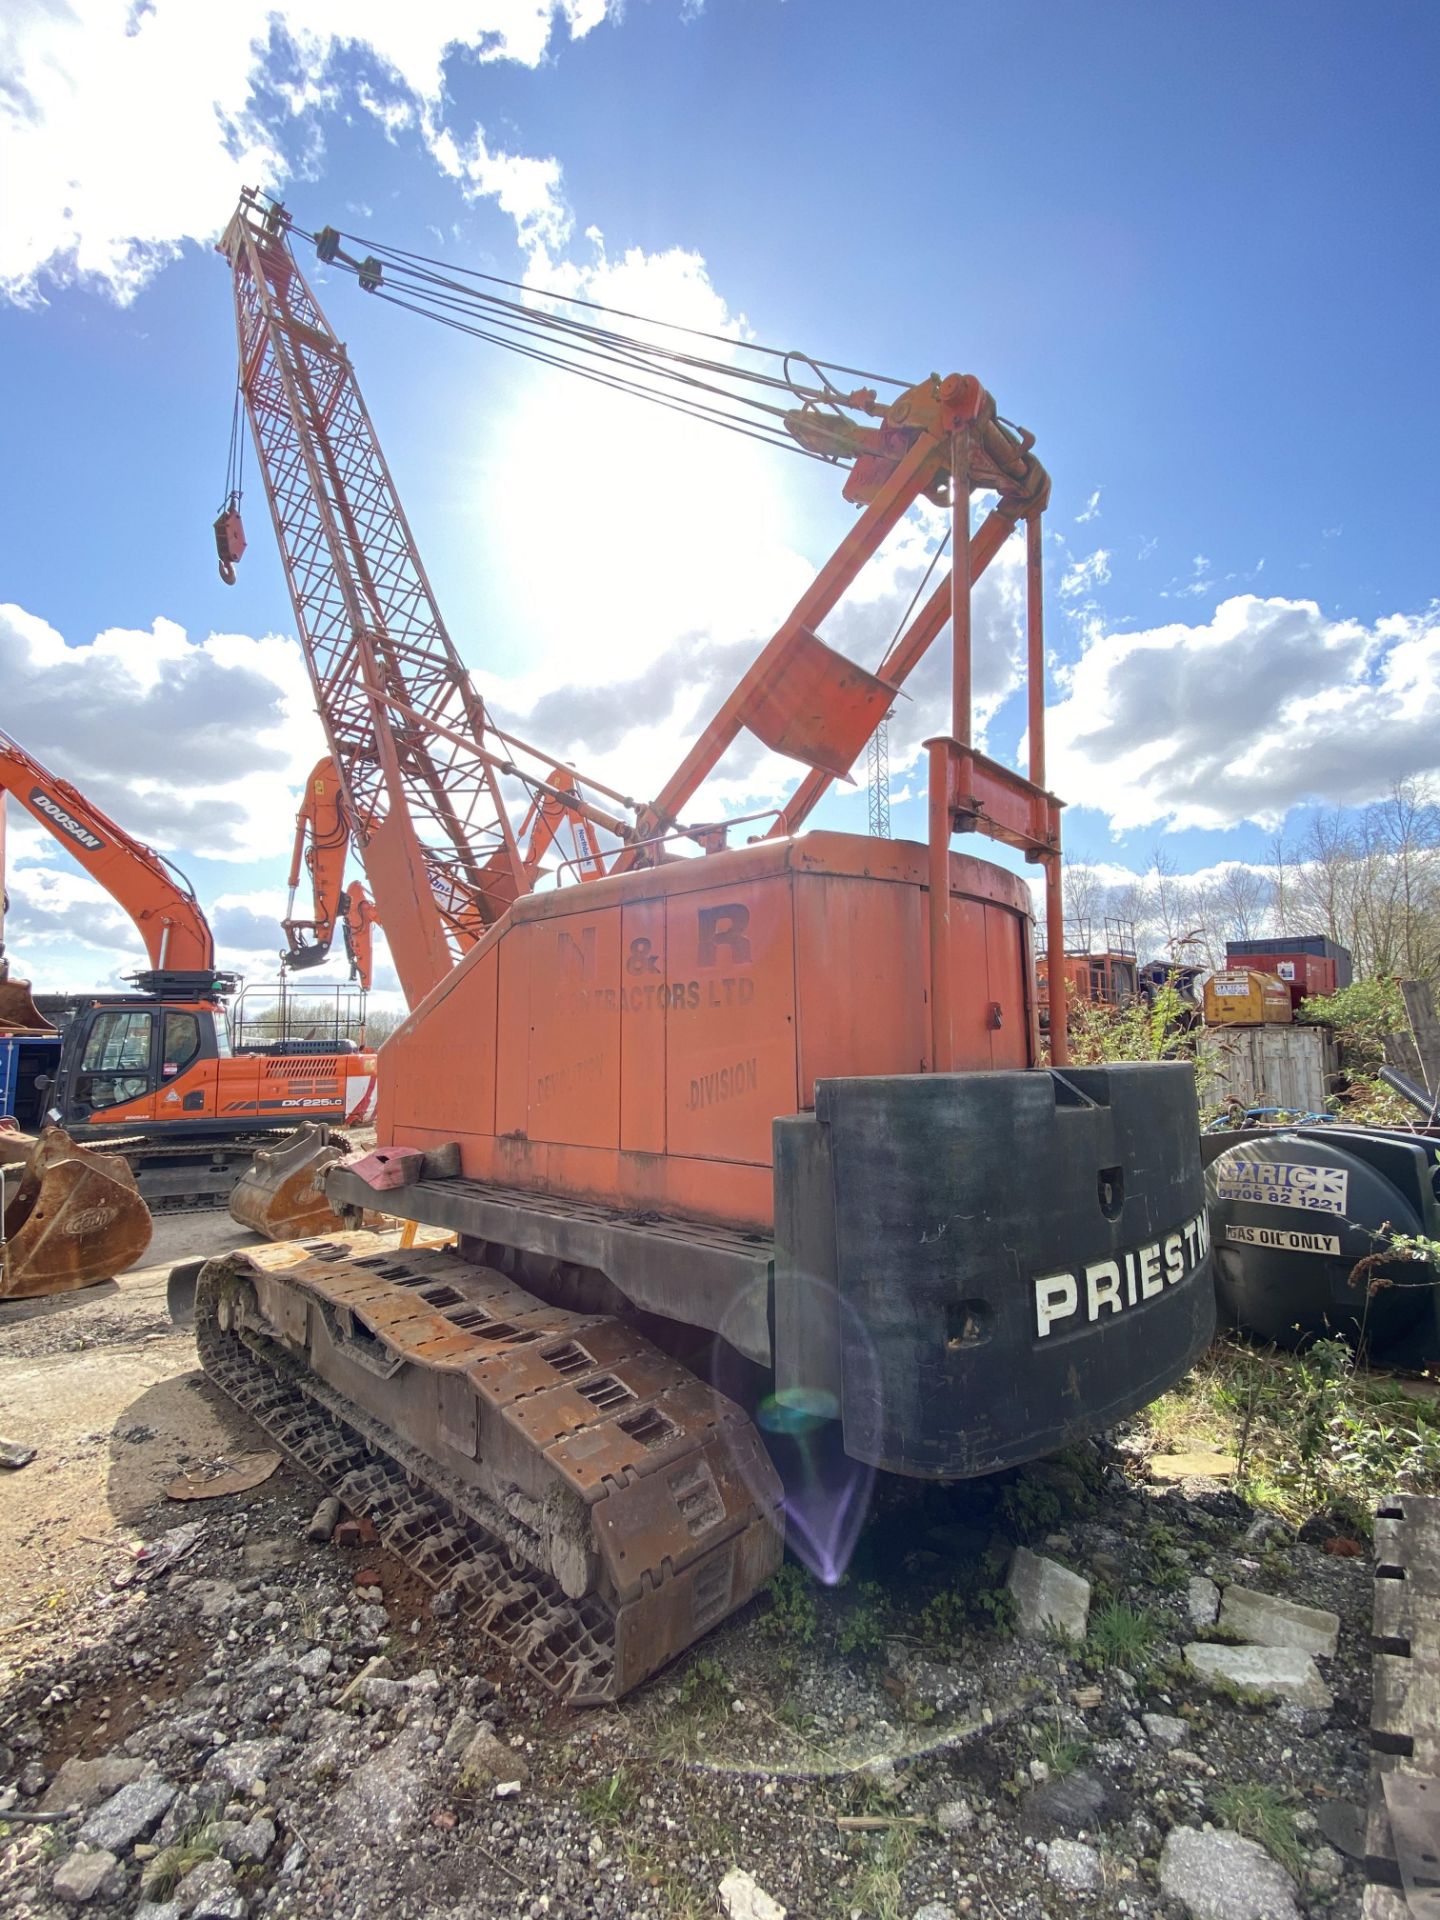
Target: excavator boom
{"points": [[159, 900]]}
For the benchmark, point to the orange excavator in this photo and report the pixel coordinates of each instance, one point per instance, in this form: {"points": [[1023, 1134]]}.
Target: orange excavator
{"points": [[762, 1182], [152, 1076]]}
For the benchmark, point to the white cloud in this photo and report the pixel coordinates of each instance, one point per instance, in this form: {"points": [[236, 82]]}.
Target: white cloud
{"points": [[631, 727], [1267, 705], [527, 189], [128, 127], [1083, 576], [1198, 584], [1091, 509], [193, 746]]}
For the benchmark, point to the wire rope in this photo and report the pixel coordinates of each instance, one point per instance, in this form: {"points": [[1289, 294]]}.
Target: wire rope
{"points": [[696, 385]]}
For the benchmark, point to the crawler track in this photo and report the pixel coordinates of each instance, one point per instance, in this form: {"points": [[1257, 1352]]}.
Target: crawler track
{"points": [[662, 1502]]}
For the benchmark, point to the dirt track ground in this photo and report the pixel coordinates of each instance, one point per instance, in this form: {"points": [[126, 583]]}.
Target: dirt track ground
{"points": [[108, 1391], [862, 1756]]}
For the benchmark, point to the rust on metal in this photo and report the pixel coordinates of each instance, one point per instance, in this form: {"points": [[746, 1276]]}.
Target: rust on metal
{"points": [[73, 1218], [596, 1506], [282, 1192], [18, 1011]]}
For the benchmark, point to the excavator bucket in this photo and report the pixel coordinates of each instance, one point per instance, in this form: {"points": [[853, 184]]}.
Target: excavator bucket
{"points": [[282, 1192], [71, 1217], [18, 1012]]}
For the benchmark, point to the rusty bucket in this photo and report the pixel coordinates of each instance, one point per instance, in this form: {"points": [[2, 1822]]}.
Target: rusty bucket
{"points": [[282, 1192], [72, 1217], [18, 1012]]}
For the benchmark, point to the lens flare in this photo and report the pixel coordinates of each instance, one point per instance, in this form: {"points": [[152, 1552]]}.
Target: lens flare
{"points": [[827, 1494]]}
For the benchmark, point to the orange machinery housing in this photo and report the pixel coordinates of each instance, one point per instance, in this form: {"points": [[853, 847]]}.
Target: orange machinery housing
{"points": [[634, 1039], [160, 1065], [1091, 979]]}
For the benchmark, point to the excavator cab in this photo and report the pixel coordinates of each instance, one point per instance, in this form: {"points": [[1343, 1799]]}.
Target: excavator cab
{"points": [[132, 1060]]}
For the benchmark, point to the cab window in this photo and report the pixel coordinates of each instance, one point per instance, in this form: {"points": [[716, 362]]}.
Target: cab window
{"points": [[115, 1065], [118, 1042], [182, 1044]]}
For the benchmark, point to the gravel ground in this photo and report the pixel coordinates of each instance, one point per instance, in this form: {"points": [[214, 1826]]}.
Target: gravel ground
{"points": [[883, 1749]]}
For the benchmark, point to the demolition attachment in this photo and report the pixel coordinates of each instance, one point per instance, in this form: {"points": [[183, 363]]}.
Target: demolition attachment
{"points": [[19, 1014]]}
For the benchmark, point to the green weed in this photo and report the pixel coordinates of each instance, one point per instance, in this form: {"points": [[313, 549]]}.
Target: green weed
{"points": [[163, 1873], [605, 1803], [793, 1716], [863, 1626], [1029, 1506], [949, 1617], [1061, 1750], [1312, 1432], [1121, 1635], [1262, 1813], [706, 1687], [877, 1889], [1161, 1563], [793, 1613], [675, 1897]]}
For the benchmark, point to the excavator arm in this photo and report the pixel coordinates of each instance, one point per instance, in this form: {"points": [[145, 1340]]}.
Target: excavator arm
{"points": [[323, 832], [357, 918], [157, 898]]}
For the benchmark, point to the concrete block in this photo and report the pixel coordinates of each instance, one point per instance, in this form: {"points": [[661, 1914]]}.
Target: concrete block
{"points": [[1281, 1673], [1048, 1597], [1269, 1621]]}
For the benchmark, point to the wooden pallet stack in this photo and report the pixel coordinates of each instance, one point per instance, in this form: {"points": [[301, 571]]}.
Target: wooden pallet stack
{"points": [[1402, 1840]]}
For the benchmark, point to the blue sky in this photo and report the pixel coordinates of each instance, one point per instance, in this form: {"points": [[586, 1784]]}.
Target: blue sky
{"points": [[1193, 249]]}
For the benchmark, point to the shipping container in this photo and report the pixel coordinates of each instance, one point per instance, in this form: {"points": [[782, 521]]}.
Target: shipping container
{"points": [[1288, 1067], [1309, 964]]}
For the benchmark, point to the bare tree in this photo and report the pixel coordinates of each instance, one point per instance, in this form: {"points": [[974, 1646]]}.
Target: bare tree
{"points": [[1084, 904], [1367, 878], [1282, 885], [1371, 880], [1245, 898]]}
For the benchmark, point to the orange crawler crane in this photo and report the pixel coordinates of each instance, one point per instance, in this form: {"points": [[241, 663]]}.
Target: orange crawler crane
{"points": [[744, 1151]]}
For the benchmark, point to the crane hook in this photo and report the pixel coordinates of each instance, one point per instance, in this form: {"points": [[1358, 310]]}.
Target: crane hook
{"points": [[229, 538]]}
